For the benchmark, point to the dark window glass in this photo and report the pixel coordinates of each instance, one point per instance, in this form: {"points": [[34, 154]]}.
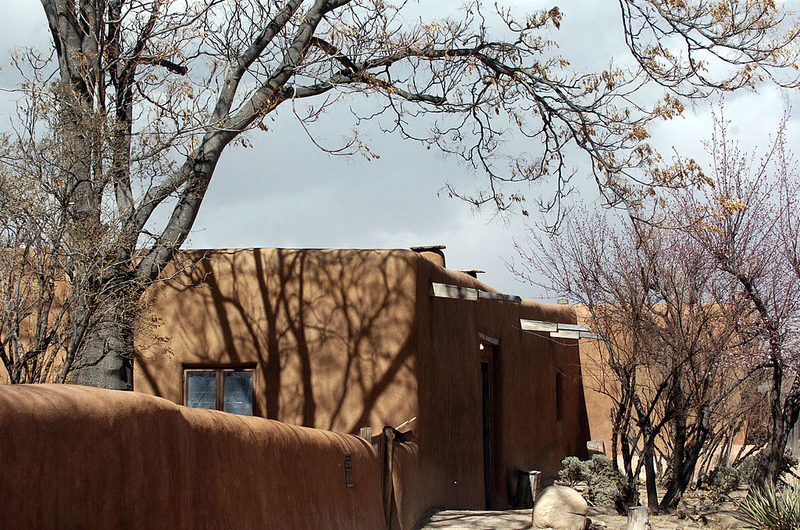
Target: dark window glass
{"points": [[201, 389], [238, 392]]}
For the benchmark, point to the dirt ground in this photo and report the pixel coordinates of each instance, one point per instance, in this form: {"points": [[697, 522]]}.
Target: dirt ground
{"points": [[696, 512]]}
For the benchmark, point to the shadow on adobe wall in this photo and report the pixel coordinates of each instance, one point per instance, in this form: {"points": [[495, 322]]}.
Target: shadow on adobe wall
{"points": [[328, 332]]}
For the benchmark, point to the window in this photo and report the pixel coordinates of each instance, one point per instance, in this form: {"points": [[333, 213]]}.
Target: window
{"points": [[225, 389], [559, 396]]}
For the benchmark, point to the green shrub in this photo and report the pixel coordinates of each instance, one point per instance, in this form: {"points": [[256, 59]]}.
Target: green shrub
{"points": [[722, 480], [598, 474], [768, 508], [746, 469], [574, 471], [789, 463], [602, 466], [603, 480]]}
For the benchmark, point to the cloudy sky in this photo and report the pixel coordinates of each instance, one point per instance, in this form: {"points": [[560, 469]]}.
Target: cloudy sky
{"points": [[283, 192]]}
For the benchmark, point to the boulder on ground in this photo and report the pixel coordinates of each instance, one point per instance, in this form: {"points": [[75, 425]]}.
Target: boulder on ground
{"points": [[560, 508]]}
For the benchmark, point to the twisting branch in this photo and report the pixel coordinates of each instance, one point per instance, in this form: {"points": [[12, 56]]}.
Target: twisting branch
{"points": [[150, 95]]}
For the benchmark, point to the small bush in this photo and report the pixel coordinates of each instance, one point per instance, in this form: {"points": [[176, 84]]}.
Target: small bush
{"points": [[768, 508], [746, 469], [723, 480], [603, 481], [598, 474], [789, 463], [574, 471], [602, 467]]}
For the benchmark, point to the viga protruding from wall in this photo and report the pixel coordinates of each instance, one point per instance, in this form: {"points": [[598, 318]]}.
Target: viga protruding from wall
{"points": [[77, 457]]}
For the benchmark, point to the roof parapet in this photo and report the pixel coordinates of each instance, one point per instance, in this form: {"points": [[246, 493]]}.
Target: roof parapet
{"points": [[432, 253]]}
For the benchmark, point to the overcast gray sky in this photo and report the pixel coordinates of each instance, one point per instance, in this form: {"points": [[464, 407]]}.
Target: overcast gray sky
{"points": [[283, 192]]}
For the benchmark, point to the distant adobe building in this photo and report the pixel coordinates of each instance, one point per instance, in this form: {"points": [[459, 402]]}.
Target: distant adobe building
{"points": [[347, 339]]}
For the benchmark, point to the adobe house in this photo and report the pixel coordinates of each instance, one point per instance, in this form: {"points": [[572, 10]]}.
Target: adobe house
{"points": [[347, 339]]}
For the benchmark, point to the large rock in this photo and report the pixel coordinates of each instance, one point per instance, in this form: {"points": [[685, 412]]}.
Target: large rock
{"points": [[560, 508]]}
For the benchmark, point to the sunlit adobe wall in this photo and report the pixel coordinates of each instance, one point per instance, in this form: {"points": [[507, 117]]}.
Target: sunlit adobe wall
{"points": [[328, 332], [77, 457], [598, 383]]}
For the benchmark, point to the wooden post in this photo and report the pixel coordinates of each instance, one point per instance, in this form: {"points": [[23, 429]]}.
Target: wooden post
{"points": [[534, 477], [523, 496], [388, 449], [527, 487], [366, 433], [637, 518]]}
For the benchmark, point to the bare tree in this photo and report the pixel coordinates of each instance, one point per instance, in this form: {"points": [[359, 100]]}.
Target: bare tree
{"points": [[34, 314], [50, 301], [669, 324], [747, 222], [694, 46], [149, 95]]}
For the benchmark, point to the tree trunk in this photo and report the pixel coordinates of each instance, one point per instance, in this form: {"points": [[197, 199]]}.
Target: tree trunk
{"points": [[629, 491], [677, 484], [650, 477], [685, 458], [645, 424], [104, 319], [770, 460], [784, 416], [108, 358]]}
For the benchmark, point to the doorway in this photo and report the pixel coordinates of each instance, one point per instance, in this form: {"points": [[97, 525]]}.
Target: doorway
{"points": [[489, 412], [486, 390]]}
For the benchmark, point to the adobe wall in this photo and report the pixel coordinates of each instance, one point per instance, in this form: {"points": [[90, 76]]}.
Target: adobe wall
{"points": [[360, 342], [329, 330], [77, 457], [597, 377], [448, 467]]}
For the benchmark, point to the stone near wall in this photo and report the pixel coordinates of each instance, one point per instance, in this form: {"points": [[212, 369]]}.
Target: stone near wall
{"points": [[560, 508], [596, 447]]}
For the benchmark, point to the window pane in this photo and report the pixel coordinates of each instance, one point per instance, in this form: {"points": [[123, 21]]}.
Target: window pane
{"points": [[201, 389], [238, 390]]}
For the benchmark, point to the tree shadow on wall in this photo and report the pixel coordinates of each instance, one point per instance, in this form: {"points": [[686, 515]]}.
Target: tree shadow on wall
{"points": [[330, 331]]}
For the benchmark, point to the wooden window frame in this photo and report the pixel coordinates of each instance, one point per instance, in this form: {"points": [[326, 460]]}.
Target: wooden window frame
{"points": [[219, 382]]}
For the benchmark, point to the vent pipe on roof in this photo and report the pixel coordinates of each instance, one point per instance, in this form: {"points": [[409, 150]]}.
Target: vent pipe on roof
{"points": [[472, 272]]}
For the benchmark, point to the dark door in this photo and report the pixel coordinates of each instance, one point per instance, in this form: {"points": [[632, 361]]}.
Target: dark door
{"points": [[486, 383]]}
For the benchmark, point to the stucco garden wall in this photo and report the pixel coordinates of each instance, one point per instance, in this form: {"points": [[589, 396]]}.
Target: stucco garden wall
{"points": [[76, 457]]}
